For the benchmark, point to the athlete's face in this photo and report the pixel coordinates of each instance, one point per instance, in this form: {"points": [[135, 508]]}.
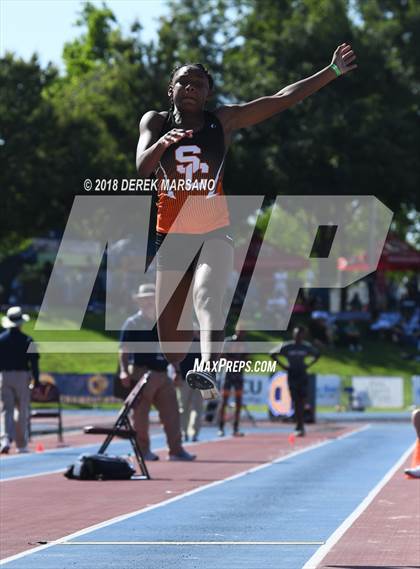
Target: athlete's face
{"points": [[189, 89], [298, 335]]}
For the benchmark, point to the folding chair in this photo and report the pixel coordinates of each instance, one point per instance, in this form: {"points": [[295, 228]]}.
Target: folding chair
{"points": [[122, 428], [48, 396]]}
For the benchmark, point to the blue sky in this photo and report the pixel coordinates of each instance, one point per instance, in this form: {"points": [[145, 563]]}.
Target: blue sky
{"points": [[44, 26]]}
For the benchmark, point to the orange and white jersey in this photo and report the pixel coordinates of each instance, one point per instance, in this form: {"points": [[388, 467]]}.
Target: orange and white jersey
{"points": [[190, 191]]}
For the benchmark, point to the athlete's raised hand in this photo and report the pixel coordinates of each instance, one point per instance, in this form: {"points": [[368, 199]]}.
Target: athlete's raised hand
{"points": [[343, 58], [174, 136], [151, 144]]}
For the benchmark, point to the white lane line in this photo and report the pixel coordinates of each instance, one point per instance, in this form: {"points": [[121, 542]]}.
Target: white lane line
{"points": [[72, 449], [57, 471], [43, 473], [46, 472], [246, 543], [60, 449], [319, 555], [124, 517], [47, 452], [351, 433]]}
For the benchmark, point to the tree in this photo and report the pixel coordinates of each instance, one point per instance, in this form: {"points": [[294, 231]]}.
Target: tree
{"points": [[359, 135], [27, 132], [59, 130]]}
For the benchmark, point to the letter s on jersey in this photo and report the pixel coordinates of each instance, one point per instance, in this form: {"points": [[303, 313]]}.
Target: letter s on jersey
{"points": [[188, 155]]}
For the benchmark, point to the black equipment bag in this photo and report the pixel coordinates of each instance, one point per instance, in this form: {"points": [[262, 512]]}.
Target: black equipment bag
{"points": [[100, 467]]}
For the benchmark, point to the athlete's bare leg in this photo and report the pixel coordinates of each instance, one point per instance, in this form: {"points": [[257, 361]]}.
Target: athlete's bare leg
{"points": [[211, 280], [210, 283], [170, 306]]}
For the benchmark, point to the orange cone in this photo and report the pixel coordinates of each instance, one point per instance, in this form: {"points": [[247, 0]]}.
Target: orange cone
{"points": [[415, 458], [39, 447]]}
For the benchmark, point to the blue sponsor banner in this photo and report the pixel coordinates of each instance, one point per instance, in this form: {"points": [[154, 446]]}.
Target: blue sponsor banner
{"points": [[328, 390], [255, 389], [82, 385]]}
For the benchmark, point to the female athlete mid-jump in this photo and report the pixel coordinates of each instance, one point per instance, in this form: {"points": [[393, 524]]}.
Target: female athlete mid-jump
{"points": [[187, 145]]}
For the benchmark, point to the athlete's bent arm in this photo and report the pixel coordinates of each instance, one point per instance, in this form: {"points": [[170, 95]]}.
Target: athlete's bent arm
{"points": [[313, 361], [274, 354], [239, 116], [151, 146]]}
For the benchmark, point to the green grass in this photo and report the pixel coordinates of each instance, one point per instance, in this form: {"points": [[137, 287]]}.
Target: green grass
{"points": [[377, 357], [92, 331]]}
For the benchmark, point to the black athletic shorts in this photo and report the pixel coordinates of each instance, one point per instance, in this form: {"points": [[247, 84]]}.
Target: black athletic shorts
{"points": [[171, 257], [235, 380]]}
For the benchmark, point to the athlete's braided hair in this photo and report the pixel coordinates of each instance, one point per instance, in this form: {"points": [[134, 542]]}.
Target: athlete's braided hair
{"points": [[199, 66]]}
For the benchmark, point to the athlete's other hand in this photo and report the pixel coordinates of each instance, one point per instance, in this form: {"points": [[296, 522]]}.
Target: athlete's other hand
{"points": [[343, 58], [174, 136]]}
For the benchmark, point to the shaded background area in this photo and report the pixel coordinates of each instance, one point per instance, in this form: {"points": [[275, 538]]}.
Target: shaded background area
{"points": [[358, 136]]}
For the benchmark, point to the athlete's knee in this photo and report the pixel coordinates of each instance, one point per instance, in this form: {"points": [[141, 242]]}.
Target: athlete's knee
{"points": [[207, 300], [201, 297]]}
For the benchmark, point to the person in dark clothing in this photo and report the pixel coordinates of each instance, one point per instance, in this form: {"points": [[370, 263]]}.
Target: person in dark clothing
{"points": [[159, 390], [233, 380], [17, 367], [296, 352]]}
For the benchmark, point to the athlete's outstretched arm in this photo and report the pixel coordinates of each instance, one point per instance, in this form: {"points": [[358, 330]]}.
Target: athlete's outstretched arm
{"points": [[259, 110]]}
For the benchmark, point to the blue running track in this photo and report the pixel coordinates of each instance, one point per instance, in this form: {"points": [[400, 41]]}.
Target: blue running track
{"points": [[303, 498]]}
